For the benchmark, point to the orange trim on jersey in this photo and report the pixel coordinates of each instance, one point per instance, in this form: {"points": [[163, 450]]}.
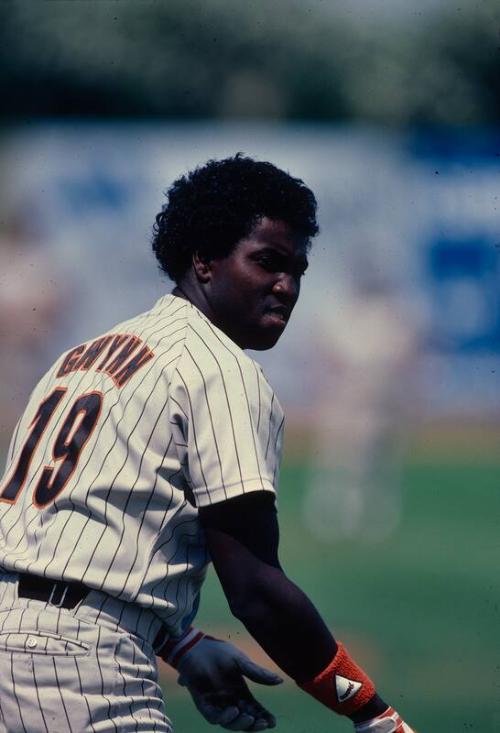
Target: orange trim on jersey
{"points": [[133, 365], [117, 342], [38, 415], [120, 362], [67, 442], [70, 361], [123, 355], [91, 354]]}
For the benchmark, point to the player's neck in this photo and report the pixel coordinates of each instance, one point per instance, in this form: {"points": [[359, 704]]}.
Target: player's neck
{"points": [[179, 292], [199, 299], [196, 297]]}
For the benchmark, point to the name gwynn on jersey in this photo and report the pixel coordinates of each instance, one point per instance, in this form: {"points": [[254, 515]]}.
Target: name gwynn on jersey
{"points": [[121, 357]]}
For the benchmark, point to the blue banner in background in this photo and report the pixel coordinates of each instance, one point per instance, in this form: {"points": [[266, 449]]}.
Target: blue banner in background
{"points": [[463, 283], [416, 215], [459, 180]]}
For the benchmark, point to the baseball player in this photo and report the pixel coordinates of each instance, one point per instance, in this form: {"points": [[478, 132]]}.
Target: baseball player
{"points": [[148, 451]]}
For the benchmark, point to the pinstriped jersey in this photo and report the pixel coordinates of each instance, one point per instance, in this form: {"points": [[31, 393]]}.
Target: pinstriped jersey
{"points": [[121, 442]]}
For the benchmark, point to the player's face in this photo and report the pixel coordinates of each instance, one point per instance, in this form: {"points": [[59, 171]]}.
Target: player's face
{"points": [[253, 290]]}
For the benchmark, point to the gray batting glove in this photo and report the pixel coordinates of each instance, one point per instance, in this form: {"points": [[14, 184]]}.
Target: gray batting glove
{"points": [[214, 672]]}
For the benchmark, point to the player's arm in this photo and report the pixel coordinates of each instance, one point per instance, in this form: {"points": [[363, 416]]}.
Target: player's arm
{"points": [[242, 537]]}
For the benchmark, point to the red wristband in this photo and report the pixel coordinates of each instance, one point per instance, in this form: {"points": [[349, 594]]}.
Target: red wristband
{"points": [[342, 686]]}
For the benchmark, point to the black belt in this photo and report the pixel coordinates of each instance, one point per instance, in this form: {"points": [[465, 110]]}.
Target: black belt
{"points": [[56, 592], [65, 595]]}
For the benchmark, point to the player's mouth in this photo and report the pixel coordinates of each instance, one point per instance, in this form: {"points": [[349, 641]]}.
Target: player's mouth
{"points": [[279, 315]]}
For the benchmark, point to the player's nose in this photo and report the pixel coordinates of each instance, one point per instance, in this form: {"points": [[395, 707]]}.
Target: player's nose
{"points": [[287, 288]]}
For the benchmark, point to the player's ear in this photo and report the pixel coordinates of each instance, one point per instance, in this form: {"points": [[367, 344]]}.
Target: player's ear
{"points": [[202, 267]]}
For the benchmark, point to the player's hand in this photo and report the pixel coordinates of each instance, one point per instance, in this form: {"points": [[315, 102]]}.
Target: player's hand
{"points": [[388, 722], [214, 672]]}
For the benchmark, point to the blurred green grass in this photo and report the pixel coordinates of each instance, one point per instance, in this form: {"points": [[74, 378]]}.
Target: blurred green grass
{"points": [[421, 609]]}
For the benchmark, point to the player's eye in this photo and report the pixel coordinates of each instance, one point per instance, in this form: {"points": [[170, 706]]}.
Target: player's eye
{"points": [[271, 263], [275, 262]]}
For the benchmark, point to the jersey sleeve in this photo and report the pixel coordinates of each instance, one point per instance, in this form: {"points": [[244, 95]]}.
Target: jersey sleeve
{"points": [[226, 421]]}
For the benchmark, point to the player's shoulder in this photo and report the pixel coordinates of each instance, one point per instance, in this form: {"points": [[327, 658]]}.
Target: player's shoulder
{"points": [[212, 368], [167, 317], [154, 336]]}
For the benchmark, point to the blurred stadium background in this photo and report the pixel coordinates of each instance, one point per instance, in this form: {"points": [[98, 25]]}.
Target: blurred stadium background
{"points": [[389, 372]]}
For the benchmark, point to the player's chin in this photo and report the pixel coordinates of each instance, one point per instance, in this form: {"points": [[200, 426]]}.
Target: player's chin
{"points": [[267, 336]]}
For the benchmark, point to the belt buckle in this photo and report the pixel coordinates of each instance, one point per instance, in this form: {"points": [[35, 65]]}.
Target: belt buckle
{"points": [[58, 603]]}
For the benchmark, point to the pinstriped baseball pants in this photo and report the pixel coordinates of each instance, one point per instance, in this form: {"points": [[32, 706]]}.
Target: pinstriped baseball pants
{"points": [[90, 669]]}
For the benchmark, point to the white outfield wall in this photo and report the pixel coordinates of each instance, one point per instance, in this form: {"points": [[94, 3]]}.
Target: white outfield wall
{"points": [[89, 194]]}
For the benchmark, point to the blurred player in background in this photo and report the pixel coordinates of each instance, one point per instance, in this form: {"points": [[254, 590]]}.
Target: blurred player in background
{"points": [[148, 451], [369, 345]]}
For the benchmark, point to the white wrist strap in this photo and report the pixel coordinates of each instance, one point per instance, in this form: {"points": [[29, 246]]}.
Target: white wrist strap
{"points": [[175, 649]]}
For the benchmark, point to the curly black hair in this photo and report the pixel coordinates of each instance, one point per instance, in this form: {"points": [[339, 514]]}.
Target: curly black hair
{"points": [[216, 205]]}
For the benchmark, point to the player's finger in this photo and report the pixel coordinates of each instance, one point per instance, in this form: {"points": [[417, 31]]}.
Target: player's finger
{"points": [[224, 708], [256, 673], [244, 721], [228, 715], [216, 714], [263, 720], [251, 708], [241, 721], [262, 724]]}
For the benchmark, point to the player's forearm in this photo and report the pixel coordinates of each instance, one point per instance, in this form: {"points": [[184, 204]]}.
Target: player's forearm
{"points": [[243, 548], [285, 623], [275, 611]]}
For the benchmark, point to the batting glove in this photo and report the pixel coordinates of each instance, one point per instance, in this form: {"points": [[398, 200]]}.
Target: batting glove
{"points": [[388, 722], [213, 671]]}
